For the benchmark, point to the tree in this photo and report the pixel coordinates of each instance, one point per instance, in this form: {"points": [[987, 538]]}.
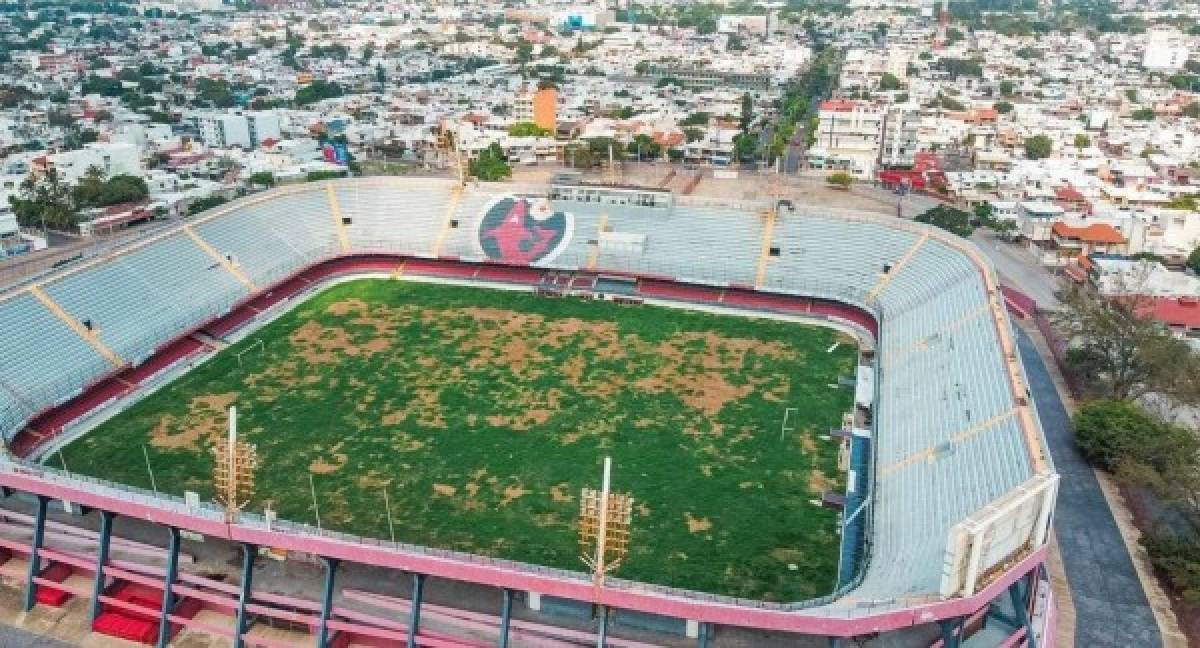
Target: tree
{"points": [[840, 180], [123, 188], [263, 179], [1038, 147], [747, 115], [1003, 107], [957, 67], [214, 92], [1186, 203], [1082, 141], [524, 52], [204, 204], [744, 146], [1121, 352], [1192, 110], [44, 201], [889, 81], [693, 134], [644, 147], [318, 90], [1193, 261], [527, 129], [491, 164], [948, 218], [581, 156], [1122, 438], [1143, 114], [1006, 88]]}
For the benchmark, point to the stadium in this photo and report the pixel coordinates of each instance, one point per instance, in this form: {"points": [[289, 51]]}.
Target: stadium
{"points": [[927, 525]]}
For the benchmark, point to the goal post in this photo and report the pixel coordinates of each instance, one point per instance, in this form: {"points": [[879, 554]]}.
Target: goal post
{"points": [[256, 345]]}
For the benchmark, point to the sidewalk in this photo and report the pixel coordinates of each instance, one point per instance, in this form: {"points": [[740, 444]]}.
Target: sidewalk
{"points": [[1116, 604]]}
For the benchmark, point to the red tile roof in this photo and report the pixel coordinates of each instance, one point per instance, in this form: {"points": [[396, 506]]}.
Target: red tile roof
{"points": [[1068, 194], [1098, 233], [839, 105], [1175, 311]]}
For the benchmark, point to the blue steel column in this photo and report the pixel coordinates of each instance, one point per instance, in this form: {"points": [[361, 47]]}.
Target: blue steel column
{"points": [[702, 636], [35, 547], [168, 597], [331, 566], [505, 618], [414, 617], [602, 635], [106, 523], [248, 551], [1018, 594], [950, 638]]}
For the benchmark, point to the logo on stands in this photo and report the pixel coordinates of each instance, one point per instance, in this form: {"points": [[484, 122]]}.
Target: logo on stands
{"points": [[516, 229]]}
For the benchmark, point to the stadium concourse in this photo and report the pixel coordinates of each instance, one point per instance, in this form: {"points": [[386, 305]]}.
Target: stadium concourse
{"points": [[950, 491]]}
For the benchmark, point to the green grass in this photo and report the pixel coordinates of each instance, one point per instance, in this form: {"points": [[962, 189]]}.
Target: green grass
{"points": [[483, 412]]}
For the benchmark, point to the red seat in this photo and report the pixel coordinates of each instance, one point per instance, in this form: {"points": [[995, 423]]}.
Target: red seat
{"points": [[115, 624]]}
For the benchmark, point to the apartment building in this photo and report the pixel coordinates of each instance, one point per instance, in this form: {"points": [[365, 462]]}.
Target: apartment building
{"points": [[539, 107], [900, 142], [848, 135], [112, 158], [243, 130], [1165, 50]]}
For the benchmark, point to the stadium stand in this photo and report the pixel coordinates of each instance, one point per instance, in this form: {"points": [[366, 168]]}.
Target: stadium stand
{"points": [[941, 344]]}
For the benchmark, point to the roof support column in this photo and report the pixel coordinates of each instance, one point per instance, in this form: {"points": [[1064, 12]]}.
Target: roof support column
{"points": [[505, 617], [248, 552], [106, 523], [331, 566], [168, 596], [35, 547], [414, 617], [602, 633], [952, 632]]}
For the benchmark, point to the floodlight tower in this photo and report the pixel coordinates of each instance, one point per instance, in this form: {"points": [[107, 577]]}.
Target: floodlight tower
{"points": [[233, 471], [604, 534]]}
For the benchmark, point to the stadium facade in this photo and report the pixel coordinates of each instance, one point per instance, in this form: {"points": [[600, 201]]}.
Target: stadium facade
{"points": [[951, 489]]}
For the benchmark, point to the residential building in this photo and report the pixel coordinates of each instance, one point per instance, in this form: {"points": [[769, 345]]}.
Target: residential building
{"points": [[539, 107], [900, 141], [242, 130], [848, 136]]}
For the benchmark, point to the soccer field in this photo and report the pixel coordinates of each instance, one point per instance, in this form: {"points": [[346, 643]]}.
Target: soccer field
{"points": [[482, 413]]}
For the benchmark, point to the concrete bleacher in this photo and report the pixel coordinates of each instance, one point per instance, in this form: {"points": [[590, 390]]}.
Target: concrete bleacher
{"points": [[384, 219], [271, 239], [139, 298], [44, 361], [946, 444], [463, 241]]}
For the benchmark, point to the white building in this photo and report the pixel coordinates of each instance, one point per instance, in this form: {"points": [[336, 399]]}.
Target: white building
{"points": [[244, 130], [732, 24], [849, 135], [1166, 50], [1114, 277], [113, 158], [900, 141]]}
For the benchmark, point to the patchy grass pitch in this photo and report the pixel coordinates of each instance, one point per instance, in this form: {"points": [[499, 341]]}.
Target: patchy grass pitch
{"points": [[483, 412]]}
